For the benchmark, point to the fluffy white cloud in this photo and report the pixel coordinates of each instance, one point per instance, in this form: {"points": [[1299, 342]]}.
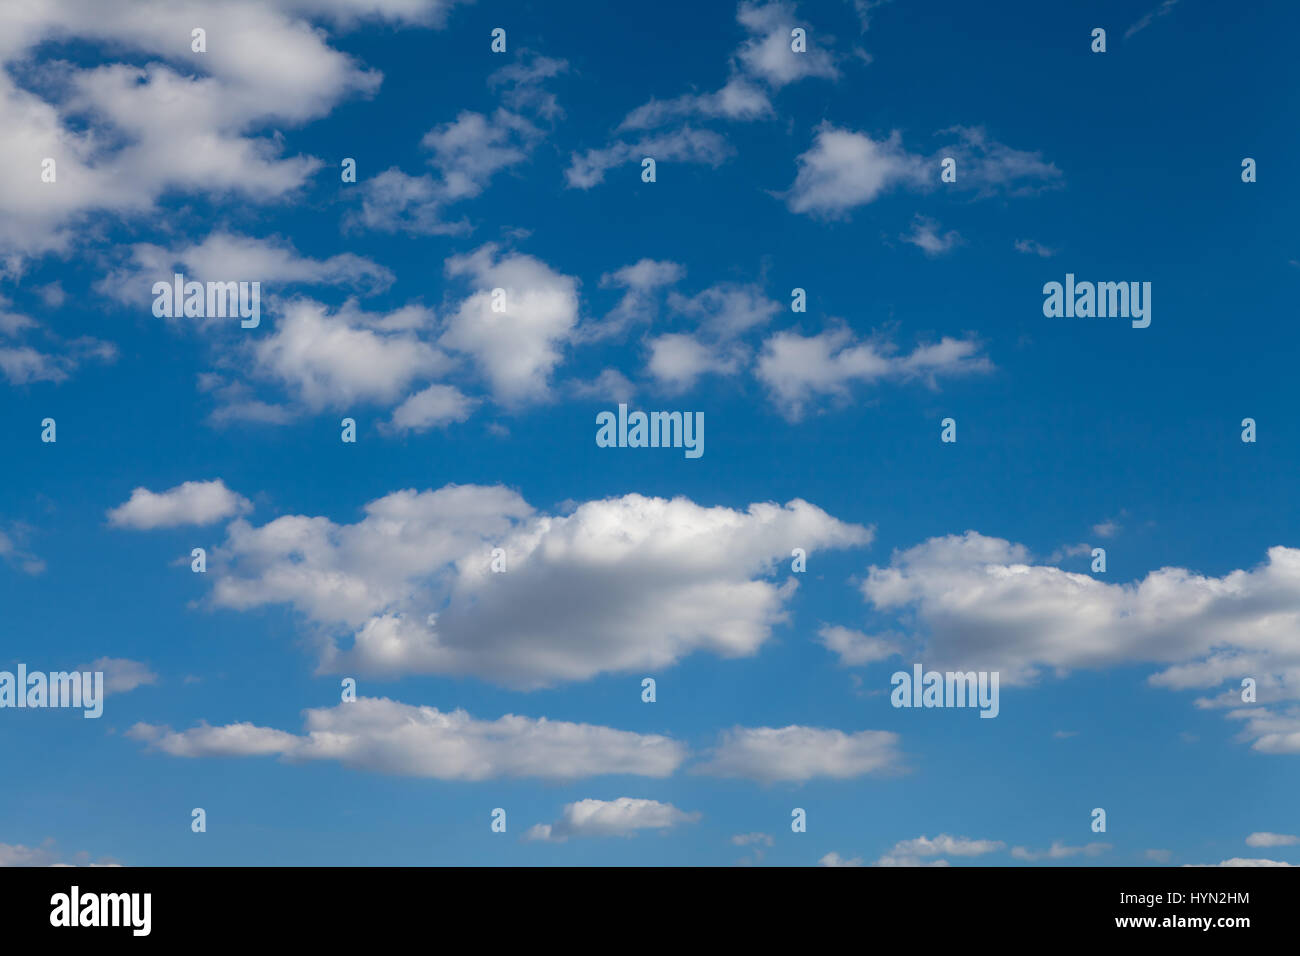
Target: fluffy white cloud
{"points": [[794, 753], [163, 118], [433, 407], [516, 349], [798, 369], [385, 736], [834, 859], [1059, 851], [604, 818], [192, 503], [844, 169], [981, 603], [923, 850], [767, 54], [1272, 839], [617, 584], [1244, 861], [855, 648], [327, 359], [677, 360]]}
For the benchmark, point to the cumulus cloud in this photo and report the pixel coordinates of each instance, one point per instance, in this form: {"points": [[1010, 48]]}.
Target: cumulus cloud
{"points": [[924, 851], [162, 119], [1244, 861], [1271, 839], [47, 854], [982, 603], [604, 818], [845, 169], [614, 585], [834, 859], [433, 407], [192, 503], [798, 369], [518, 348], [1059, 851], [798, 754], [386, 736]]}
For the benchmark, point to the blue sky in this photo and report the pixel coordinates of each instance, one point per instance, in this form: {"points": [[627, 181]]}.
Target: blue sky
{"points": [[775, 171]]}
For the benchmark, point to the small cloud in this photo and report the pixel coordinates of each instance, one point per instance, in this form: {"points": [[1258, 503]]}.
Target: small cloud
{"points": [[1272, 839], [834, 859], [1034, 248]]}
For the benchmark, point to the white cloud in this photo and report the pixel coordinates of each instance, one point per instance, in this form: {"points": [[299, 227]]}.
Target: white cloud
{"points": [[1272, 839], [767, 53], [433, 407], [336, 359], [23, 363], [165, 119], [834, 859], [605, 818], [516, 349], [466, 153], [678, 360], [794, 753], [798, 369], [1165, 8], [844, 169], [685, 145], [385, 736], [192, 503], [855, 648], [1034, 248], [616, 585], [1059, 851], [922, 850], [982, 603], [228, 257], [122, 674], [1238, 861], [747, 839], [925, 236], [15, 854]]}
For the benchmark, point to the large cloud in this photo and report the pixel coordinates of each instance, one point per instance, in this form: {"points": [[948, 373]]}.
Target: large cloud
{"points": [[166, 118], [797, 754], [385, 736], [982, 603], [620, 584]]}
